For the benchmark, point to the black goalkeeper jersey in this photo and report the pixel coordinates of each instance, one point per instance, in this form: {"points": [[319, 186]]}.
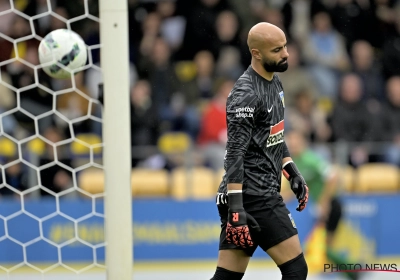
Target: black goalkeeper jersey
{"points": [[255, 119]]}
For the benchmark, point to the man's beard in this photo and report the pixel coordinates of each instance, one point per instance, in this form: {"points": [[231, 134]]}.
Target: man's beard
{"points": [[281, 66]]}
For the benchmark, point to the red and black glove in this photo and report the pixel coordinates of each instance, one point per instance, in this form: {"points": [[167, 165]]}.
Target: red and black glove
{"points": [[297, 184], [239, 222]]}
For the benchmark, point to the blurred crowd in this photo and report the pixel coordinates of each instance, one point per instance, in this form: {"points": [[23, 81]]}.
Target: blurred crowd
{"points": [[343, 81]]}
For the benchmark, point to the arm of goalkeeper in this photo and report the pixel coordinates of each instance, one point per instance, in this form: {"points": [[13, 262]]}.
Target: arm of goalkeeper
{"points": [[241, 226]]}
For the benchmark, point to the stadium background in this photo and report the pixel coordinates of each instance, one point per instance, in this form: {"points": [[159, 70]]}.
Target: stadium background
{"points": [[342, 91]]}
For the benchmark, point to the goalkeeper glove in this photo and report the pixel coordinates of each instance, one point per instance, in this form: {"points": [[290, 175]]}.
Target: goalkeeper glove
{"points": [[237, 230], [297, 184]]}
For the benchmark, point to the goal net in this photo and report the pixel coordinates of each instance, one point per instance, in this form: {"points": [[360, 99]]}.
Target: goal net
{"points": [[51, 206]]}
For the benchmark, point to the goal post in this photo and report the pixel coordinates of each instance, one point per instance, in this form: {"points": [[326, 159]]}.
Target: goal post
{"points": [[116, 137]]}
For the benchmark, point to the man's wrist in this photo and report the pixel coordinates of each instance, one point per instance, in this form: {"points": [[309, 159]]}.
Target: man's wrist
{"points": [[235, 199], [290, 170]]}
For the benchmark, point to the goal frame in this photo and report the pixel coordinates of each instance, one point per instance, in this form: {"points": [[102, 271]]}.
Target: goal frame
{"points": [[116, 136]]}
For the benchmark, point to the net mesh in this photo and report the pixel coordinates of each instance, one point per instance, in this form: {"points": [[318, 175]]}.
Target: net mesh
{"points": [[50, 134]]}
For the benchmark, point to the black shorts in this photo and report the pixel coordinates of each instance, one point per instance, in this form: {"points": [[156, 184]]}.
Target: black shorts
{"points": [[273, 217]]}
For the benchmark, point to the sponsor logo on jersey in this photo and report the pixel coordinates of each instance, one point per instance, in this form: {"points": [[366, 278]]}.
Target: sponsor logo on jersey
{"points": [[244, 112], [276, 134], [282, 98], [292, 220]]}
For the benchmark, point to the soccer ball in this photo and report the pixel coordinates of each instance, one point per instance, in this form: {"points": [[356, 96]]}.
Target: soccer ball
{"points": [[61, 52]]}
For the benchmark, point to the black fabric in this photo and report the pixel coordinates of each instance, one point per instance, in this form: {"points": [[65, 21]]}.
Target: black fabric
{"points": [[271, 214], [224, 274], [292, 170], [255, 129], [235, 200], [295, 269], [335, 215], [286, 152]]}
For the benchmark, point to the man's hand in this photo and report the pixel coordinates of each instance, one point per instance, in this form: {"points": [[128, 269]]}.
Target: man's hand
{"points": [[297, 184], [300, 189], [237, 229]]}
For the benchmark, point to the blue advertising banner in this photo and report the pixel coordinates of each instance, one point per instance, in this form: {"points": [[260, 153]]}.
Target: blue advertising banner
{"points": [[375, 218], [163, 229]]}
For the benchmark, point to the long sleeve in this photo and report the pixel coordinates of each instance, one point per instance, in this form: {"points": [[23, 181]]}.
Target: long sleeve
{"points": [[241, 110], [286, 152]]}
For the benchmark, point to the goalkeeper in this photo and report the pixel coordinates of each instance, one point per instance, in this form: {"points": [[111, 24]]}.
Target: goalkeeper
{"points": [[250, 206], [323, 192]]}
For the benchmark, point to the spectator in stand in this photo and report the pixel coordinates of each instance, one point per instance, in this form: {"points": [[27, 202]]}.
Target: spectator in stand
{"points": [[201, 86], [55, 23], [212, 137], [46, 24], [391, 50], [7, 18], [182, 111], [243, 10], [175, 102], [16, 178], [17, 27], [8, 101], [145, 121], [351, 120], [347, 16], [137, 13], [92, 79], [391, 121], [73, 105], [381, 19], [257, 9], [308, 118], [35, 100], [151, 31], [297, 14], [325, 52], [274, 16], [227, 31], [366, 66], [159, 70], [296, 78], [55, 178], [229, 64], [200, 28], [173, 25]]}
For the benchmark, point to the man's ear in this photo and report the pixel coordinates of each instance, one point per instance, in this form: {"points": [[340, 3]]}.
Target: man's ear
{"points": [[256, 54]]}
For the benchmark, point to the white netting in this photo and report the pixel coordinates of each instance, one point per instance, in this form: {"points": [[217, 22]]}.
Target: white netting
{"points": [[50, 133]]}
